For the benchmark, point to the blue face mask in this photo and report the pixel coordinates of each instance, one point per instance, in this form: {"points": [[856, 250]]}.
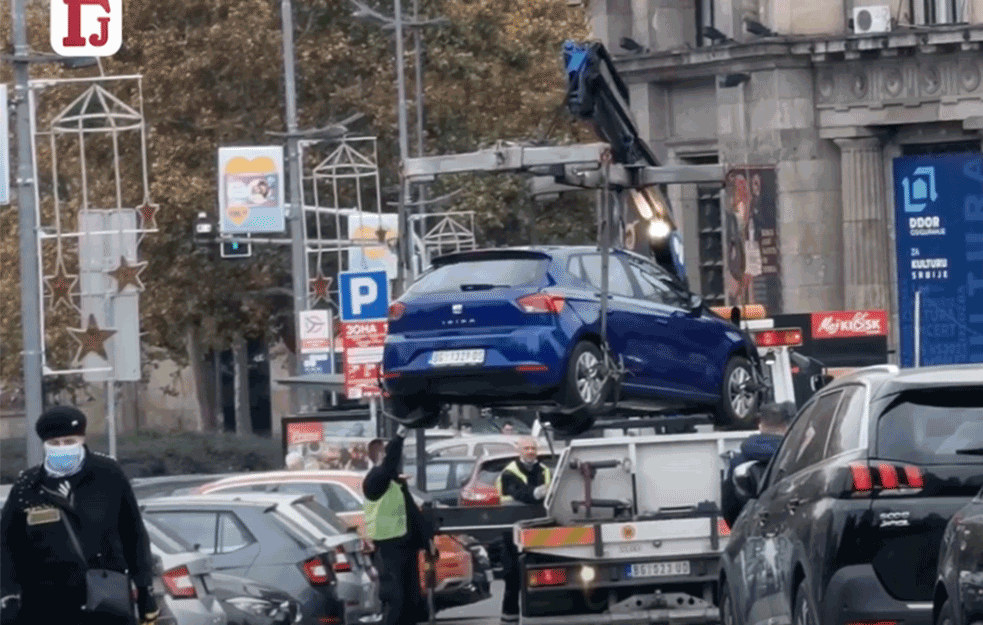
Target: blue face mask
{"points": [[62, 460]]}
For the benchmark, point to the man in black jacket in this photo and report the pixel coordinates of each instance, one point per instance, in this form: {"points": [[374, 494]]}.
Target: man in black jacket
{"points": [[773, 421], [523, 481], [42, 577], [399, 531]]}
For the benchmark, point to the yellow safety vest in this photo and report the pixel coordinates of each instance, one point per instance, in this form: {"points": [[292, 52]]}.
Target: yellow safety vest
{"points": [[513, 468], [385, 518]]}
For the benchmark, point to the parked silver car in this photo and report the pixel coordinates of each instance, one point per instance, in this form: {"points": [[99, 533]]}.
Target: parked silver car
{"points": [[181, 582]]}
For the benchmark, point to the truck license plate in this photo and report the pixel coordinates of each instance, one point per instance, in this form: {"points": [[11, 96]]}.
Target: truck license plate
{"points": [[658, 569], [457, 357]]}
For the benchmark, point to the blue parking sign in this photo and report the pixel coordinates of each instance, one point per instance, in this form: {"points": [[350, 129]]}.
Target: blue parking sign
{"points": [[364, 295]]}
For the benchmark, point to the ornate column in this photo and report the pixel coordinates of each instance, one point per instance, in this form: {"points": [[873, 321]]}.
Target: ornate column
{"points": [[866, 260]]}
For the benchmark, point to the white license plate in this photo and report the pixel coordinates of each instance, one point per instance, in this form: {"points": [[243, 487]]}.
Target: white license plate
{"points": [[658, 569], [453, 357]]}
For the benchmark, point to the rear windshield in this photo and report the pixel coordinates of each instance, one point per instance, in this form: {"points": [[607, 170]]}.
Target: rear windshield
{"points": [[929, 427], [482, 274], [490, 471], [291, 530], [321, 517]]}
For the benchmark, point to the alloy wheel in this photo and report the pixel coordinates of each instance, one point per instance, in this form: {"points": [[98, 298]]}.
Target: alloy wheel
{"points": [[588, 378], [741, 394]]}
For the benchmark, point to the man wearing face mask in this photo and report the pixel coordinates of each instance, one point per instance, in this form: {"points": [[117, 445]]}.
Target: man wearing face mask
{"points": [[523, 481], [398, 530], [42, 574]]}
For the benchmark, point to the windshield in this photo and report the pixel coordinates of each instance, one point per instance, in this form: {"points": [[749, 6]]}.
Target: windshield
{"points": [[481, 274], [929, 427], [321, 517]]}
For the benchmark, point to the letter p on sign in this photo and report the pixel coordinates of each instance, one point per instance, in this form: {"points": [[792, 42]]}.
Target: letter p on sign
{"points": [[363, 295]]}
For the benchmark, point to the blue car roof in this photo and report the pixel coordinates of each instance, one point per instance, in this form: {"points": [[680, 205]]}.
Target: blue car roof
{"points": [[529, 251]]}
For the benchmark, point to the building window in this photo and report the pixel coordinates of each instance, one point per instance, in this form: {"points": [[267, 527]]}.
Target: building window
{"points": [[950, 147], [932, 12], [704, 18]]}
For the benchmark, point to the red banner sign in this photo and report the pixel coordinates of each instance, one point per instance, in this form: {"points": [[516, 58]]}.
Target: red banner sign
{"points": [[850, 323], [301, 433], [362, 342]]}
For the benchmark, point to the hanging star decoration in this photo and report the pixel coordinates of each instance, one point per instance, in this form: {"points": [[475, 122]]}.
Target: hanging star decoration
{"points": [[127, 274], [61, 285], [148, 215], [91, 340], [319, 287]]}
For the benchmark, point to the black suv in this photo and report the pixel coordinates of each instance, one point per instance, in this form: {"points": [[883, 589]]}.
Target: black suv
{"points": [[959, 592], [846, 523]]}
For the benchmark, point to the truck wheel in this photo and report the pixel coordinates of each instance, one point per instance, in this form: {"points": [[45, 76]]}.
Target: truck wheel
{"points": [[738, 395]]}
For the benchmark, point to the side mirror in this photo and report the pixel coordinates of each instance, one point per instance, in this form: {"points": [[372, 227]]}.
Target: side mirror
{"points": [[695, 303], [735, 316], [819, 381], [747, 478]]}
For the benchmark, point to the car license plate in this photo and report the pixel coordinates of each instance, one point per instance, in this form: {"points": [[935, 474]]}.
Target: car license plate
{"points": [[455, 357], [658, 569]]}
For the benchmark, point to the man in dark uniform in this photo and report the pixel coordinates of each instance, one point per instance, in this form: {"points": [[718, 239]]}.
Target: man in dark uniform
{"points": [[42, 576], [773, 421], [523, 481], [399, 531]]}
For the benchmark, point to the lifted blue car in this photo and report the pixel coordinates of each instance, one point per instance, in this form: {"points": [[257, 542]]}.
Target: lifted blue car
{"points": [[521, 326]]}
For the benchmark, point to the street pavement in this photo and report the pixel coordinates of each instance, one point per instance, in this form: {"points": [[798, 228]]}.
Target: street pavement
{"points": [[487, 612]]}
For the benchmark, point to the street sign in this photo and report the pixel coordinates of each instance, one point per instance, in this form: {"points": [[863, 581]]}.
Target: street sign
{"points": [[939, 221], [315, 332], [364, 295], [4, 148], [250, 190], [362, 342]]}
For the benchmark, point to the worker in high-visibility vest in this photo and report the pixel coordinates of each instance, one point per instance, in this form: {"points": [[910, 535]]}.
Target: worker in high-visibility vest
{"points": [[399, 531], [523, 481]]}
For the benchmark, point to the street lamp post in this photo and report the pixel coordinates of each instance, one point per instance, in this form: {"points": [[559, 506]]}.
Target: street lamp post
{"points": [[30, 269]]}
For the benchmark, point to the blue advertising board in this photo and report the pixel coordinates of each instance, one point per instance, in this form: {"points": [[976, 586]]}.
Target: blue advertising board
{"points": [[939, 223]]}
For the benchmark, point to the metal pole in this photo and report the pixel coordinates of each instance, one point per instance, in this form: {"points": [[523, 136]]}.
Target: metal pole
{"points": [[421, 188], [298, 256], [404, 234], [111, 415], [29, 270], [918, 327]]}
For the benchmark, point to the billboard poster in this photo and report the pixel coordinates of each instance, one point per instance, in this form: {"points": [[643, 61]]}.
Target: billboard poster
{"points": [[362, 342], [939, 226], [327, 452], [365, 227], [751, 236], [250, 190]]}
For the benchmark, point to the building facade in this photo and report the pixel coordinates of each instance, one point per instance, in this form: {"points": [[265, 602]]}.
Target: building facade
{"points": [[808, 107]]}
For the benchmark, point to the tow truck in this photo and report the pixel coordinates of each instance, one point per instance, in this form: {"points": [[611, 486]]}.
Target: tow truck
{"points": [[630, 530]]}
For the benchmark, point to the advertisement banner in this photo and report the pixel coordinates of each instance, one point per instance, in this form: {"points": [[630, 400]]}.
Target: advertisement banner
{"points": [[939, 225], [300, 433], [250, 190], [751, 237], [364, 227], [849, 324], [327, 453], [362, 342]]}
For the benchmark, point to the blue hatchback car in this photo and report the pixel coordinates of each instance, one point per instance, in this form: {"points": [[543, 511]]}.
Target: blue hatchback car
{"points": [[521, 326]]}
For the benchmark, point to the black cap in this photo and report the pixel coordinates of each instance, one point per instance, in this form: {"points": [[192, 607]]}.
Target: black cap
{"points": [[60, 421]]}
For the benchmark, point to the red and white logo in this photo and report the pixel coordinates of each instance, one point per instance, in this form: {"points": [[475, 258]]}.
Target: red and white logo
{"points": [[850, 323], [300, 433], [86, 27]]}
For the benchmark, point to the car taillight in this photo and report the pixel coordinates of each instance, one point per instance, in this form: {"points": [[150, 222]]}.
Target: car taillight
{"points": [[541, 303], [784, 337], [396, 311], [476, 498], [178, 583], [548, 577], [317, 573], [885, 477], [341, 563], [722, 528]]}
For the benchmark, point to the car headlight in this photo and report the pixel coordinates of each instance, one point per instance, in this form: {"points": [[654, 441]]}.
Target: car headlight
{"points": [[252, 605]]}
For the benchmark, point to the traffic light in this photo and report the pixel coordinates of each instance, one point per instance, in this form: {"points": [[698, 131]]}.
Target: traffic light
{"points": [[236, 249]]}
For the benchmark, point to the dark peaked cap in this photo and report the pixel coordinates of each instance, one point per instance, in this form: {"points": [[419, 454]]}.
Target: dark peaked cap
{"points": [[61, 421]]}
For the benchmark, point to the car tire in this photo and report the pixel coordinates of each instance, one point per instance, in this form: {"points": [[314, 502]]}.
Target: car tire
{"points": [[803, 610], [947, 615], [582, 392], [738, 403], [414, 412], [727, 614]]}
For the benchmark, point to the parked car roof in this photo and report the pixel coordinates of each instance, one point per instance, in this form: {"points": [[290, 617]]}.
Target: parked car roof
{"points": [[219, 499]]}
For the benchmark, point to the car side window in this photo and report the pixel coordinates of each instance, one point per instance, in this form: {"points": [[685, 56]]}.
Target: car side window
{"points": [[618, 281], [232, 534], [845, 432], [790, 444], [345, 500], [195, 528], [814, 435], [463, 471], [653, 286]]}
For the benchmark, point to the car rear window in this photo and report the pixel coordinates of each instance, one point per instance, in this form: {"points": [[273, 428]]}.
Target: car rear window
{"points": [[321, 517], [291, 530], [482, 274], [929, 427]]}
